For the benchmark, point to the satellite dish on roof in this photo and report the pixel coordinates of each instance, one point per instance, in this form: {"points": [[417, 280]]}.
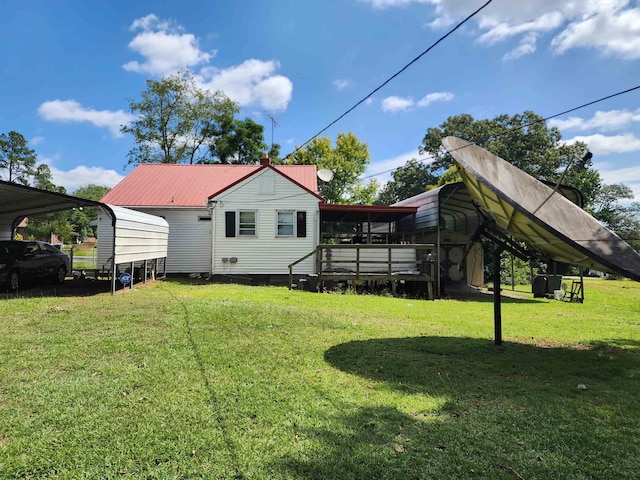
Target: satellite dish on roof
{"points": [[326, 175], [538, 215]]}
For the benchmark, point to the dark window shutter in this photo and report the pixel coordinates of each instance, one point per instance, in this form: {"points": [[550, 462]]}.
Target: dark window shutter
{"points": [[301, 227], [229, 224]]}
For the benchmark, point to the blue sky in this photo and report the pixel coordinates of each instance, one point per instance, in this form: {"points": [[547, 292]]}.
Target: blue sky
{"points": [[68, 68]]}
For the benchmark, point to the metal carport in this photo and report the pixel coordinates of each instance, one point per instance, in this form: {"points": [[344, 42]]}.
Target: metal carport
{"points": [[134, 236]]}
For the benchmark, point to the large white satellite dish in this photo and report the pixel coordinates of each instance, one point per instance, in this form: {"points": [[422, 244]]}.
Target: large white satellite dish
{"points": [[538, 215], [326, 175]]}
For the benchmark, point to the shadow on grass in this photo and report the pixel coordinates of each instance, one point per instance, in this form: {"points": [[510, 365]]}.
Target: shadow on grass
{"points": [[68, 288], [455, 367], [464, 408]]}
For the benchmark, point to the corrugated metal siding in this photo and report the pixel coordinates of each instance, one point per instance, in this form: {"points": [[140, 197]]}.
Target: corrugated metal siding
{"points": [[266, 253], [105, 240], [138, 236]]}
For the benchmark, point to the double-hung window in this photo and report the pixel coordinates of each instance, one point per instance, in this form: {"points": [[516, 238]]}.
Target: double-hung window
{"points": [[241, 223], [291, 223], [247, 223]]}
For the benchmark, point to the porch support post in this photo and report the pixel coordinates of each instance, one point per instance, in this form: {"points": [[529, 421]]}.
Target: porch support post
{"points": [[497, 313]]}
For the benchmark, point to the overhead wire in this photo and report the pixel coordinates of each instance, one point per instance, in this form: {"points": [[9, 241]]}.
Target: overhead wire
{"points": [[383, 84], [530, 124]]}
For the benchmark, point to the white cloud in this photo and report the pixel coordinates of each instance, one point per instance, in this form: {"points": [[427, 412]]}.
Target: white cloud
{"points": [[602, 145], [435, 97], [72, 111], [36, 140], [621, 175], [382, 4], [401, 104], [251, 83], [383, 169], [343, 83], [629, 176], [601, 120], [526, 47], [165, 48], [614, 33], [612, 27], [82, 176], [396, 104]]}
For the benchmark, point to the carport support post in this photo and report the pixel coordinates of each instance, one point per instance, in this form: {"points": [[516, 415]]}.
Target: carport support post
{"points": [[497, 313]]}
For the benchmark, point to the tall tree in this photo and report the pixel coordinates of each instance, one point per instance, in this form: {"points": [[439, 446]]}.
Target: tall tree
{"points": [[411, 179], [624, 219], [239, 141], [81, 218], [17, 160], [348, 160], [176, 121], [41, 227], [523, 140]]}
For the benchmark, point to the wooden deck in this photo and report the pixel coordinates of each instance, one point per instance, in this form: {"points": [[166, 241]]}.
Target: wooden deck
{"points": [[374, 263]]}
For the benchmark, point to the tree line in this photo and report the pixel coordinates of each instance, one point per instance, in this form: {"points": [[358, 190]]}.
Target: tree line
{"points": [[178, 122]]}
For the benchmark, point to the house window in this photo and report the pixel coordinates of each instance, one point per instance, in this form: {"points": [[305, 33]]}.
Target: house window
{"points": [[291, 224], [245, 221], [247, 224], [285, 224]]}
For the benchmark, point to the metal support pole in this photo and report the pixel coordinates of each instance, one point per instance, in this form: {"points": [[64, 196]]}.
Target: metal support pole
{"points": [[497, 313]]}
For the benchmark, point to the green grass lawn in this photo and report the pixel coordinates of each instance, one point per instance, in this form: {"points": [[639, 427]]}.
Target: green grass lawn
{"points": [[182, 380]]}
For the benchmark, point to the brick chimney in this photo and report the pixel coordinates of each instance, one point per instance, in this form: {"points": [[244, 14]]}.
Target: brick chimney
{"points": [[265, 159]]}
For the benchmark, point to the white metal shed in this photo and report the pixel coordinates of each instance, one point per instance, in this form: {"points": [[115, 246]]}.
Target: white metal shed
{"points": [[126, 237]]}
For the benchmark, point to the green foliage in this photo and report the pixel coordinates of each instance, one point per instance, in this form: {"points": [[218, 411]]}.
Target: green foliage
{"points": [[81, 218], [17, 160], [41, 227], [622, 219], [177, 121], [239, 141], [348, 160], [514, 271], [411, 179], [189, 380], [524, 140]]}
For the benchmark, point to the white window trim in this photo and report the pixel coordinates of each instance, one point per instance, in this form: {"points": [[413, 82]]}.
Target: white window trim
{"points": [[293, 224], [255, 224]]}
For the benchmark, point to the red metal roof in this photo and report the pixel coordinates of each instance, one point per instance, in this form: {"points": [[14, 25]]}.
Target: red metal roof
{"points": [[171, 185]]}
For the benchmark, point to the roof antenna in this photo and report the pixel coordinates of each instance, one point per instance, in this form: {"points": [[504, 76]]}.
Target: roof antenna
{"points": [[274, 123]]}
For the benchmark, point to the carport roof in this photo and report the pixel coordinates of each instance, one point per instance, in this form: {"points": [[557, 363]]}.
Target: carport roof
{"points": [[19, 201]]}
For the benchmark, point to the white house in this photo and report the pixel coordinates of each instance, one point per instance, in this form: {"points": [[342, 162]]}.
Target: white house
{"points": [[233, 220]]}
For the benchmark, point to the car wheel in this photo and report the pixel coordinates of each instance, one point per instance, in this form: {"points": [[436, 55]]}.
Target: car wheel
{"points": [[61, 274], [13, 281]]}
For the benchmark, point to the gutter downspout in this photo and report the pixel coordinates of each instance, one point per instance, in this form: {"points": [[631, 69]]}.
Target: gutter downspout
{"points": [[212, 207]]}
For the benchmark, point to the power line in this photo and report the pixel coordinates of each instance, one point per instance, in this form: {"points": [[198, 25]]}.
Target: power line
{"points": [[375, 90], [535, 122]]}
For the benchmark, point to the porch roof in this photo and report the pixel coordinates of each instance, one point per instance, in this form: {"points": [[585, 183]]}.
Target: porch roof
{"points": [[330, 212]]}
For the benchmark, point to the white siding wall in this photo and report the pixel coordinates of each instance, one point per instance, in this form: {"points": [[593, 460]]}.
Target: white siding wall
{"points": [[189, 239], [266, 253], [189, 249]]}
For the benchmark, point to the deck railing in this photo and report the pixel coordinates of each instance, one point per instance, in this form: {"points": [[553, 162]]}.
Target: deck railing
{"points": [[383, 262]]}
